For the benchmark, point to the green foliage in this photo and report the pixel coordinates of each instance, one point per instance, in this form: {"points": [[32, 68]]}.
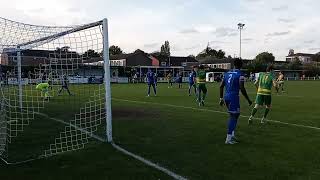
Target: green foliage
{"points": [[210, 52], [115, 50], [265, 58], [91, 53], [261, 62], [256, 66], [165, 49], [311, 69], [295, 65], [316, 57]]}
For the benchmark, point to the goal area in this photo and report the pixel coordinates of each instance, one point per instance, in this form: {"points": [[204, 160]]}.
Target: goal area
{"points": [[55, 92]]}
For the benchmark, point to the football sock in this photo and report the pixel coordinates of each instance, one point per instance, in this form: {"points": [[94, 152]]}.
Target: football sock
{"points": [[254, 111], [266, 112]]}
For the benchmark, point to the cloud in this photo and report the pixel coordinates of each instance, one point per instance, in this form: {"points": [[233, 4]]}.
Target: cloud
{"points": [[278, 33], [314, 49], [247, 39], [192, 47], [218, 42], [309, 41], [284, 20], [254, 1], [152, 45], [189, 31], [281, 8], [225, 31]]}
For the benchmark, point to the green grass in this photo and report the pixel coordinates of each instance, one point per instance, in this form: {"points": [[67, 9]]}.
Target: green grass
{"points": [[172, 130]]}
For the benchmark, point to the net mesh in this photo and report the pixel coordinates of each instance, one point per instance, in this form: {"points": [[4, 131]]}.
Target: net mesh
{"points": [[56, 101]]}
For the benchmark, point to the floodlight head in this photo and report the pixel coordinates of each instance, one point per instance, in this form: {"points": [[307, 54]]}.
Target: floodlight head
{"points": [[241, 25]]}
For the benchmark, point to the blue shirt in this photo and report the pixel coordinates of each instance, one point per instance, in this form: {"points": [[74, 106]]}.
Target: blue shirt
{"points": [[192, 75], [150, 77], [232, 81]]}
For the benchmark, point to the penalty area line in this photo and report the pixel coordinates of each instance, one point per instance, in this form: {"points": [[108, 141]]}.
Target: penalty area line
{"points": [[216, 111]]}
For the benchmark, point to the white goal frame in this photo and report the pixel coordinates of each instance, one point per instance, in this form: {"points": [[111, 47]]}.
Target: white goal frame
{"points": [[107, 79]]}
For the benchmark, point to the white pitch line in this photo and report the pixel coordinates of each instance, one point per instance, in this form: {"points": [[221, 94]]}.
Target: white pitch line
{"points": [[117, 147], [215, 111], [147, 162]]}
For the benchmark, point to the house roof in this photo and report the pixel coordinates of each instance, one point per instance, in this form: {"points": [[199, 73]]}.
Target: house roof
{"points": [[126, 56], [300, 54], [213, 60], [176, 60]]}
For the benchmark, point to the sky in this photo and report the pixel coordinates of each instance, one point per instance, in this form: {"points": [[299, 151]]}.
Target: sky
{"points": [[189, 25]]}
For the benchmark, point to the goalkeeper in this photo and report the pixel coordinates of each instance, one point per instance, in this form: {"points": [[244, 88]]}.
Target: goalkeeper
{"points": [[44, 88]]}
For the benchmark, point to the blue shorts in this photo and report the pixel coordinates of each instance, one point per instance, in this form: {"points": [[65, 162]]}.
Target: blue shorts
{"points": [[233, 104], [191, 84]]}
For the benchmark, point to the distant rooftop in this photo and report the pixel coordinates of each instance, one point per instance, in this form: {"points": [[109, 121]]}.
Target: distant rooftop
{"points": [[300, 54]]}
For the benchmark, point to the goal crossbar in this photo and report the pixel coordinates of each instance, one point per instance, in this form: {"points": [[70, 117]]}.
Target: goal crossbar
{"points": [[55, 36]]}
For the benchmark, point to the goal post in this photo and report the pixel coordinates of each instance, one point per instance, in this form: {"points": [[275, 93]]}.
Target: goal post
{"points": [[107, 75], [55, 93]]}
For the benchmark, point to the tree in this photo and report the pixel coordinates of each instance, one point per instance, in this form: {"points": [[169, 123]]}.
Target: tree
{"points": [[265, 58], [156, 53], [208, 52], [221, 54], [311, 70], [256, 66], [316, 57], [295, 64], [91, 53], [165, 49], [63, 49], [115, 50]]}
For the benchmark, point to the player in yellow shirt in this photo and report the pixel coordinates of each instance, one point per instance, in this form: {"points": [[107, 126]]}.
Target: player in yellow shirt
{"points": [[201, 85], [264, 84]]}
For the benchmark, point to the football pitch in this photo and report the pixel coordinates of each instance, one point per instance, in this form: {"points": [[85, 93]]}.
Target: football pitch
{"points": [[172, 131]]}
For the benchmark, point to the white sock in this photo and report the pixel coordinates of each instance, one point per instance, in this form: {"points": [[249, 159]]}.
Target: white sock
{"points": [[229, 136], [233, 134]]}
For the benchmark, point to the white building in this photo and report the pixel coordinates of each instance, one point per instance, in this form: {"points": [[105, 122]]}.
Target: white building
{"points": [[220, 65], [303, 57]]}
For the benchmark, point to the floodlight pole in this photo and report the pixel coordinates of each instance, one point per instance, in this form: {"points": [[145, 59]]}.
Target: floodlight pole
{"points": [[19, 76], [107, 77], [240, 27]]}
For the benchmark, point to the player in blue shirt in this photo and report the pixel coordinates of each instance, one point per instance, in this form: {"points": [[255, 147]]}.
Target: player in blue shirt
{"points": [[64, 85], [192, 82], [233, 81], [151, 82], [156, 79]]}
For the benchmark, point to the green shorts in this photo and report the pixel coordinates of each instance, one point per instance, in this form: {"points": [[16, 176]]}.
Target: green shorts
{"points": [[263, 100], [202, 88]]}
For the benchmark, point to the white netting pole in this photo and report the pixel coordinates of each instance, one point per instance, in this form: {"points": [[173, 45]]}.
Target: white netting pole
{"points": [[19, 77], [107, 79]]}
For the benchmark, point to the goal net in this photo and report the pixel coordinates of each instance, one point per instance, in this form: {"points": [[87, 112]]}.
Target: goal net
{"points": [[54, 85]]}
